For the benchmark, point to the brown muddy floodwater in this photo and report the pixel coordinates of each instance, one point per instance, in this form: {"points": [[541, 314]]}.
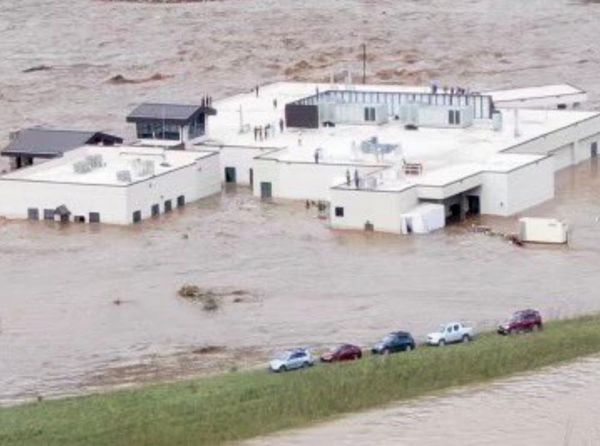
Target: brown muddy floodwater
{"points": [[60, 330], [555, 407]]}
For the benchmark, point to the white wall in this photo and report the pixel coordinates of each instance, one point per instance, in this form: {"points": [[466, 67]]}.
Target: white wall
{"points": [[193, 182], [508, 193], [115, 203], [17, 195], [303, 181], [563, 157], [383, 209], [240, 158], [579, 135]]}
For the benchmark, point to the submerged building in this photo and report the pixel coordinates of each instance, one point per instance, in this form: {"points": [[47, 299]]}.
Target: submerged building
{"points": [[387, 158], [121, 185], [403, 159]]}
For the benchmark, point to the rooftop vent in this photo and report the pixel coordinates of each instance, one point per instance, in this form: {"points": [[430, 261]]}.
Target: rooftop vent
{"points": [[373, 146], [88, 164], [142, 168], [124, 176]]}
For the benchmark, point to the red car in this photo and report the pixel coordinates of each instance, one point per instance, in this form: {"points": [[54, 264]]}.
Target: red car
{"points": [[345, 352], [521, 321]]}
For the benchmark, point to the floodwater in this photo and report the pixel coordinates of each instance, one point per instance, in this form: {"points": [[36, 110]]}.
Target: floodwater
{"points": [[553, 407], [61, 331]]}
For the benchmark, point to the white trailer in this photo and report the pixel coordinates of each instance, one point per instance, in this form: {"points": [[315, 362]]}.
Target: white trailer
{"points": [[543, 230]]}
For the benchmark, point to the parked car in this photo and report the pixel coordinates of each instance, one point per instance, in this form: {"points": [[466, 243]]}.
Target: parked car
{"points": [[398, 341], [345, 352], [292, 359], [525, 320], [450, 333]]}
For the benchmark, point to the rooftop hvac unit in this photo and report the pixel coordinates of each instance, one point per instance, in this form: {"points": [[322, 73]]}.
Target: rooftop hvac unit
{"points": [[142, 168], [372, 145], [95, 161], [88, 164], [124, 176], [82, 167]]}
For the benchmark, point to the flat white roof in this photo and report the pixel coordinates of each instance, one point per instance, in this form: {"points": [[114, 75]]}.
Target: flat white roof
{"points": [[114, 159], [446, 154], [543, 91]]}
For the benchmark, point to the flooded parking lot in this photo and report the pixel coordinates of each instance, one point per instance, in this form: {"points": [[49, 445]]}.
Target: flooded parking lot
{"points": [[60, 328]]}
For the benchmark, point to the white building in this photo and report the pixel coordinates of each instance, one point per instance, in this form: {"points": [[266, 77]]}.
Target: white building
{"points": [[492, 153], [118, 185]]}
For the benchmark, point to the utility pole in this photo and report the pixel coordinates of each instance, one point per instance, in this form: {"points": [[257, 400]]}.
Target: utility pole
{"points": [[364, 48]]}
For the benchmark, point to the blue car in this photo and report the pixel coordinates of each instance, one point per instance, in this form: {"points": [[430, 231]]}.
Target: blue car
{"points": [[398, 341]]}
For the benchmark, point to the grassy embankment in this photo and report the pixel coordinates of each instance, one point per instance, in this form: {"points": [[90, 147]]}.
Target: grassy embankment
{"points": [[245, 404]]}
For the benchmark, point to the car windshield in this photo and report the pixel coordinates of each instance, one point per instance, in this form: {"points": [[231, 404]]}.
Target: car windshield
{"points": [[442, 328], [283, 356], [388, 339]]}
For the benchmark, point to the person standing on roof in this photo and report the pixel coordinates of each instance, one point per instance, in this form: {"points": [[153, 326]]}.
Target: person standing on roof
{"points": [[356, 179], [275, 103], [281, 125], [348, 177]]}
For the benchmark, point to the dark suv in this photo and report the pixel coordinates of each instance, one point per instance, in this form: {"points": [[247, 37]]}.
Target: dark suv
{"points": [[398, 341], [525, 320]]}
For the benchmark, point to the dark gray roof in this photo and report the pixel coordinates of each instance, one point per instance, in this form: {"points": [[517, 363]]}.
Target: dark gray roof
{"points": [[50, 143], [172, 113]]}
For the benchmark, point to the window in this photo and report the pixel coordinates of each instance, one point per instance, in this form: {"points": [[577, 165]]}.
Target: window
{"points": [[79, 219], [48, 214], [144, 130], [33, 214], [196, 128], [157, 130], [180, 201], [339, 212], [168, 206], [456, 328], [155, 210], [137, 216], [454, 117], [594, 149], [94, 217], [370, 114]]}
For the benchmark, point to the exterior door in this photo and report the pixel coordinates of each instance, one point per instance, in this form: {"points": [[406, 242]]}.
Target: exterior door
{"points": [[594, 149], [230, 175], [265, 190]]}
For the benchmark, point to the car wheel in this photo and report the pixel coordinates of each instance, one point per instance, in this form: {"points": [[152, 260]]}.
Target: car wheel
{"points": [[466, 338], [305, 365], [408, 348], [441, 343], [386, 352], [282, 369]]}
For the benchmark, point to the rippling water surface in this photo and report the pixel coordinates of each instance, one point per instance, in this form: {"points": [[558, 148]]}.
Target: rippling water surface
{"points": [[61, 331]]}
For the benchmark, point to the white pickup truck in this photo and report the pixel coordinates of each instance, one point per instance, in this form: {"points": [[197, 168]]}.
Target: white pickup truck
{"points": [[449, 333]]}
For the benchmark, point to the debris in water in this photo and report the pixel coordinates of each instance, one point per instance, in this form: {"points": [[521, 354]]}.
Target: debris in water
{"points": [[37, 68], [209, 299], [209, 349], [210, 303], [119, 79]]}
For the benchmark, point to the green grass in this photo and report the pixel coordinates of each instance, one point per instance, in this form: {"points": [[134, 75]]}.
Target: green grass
{"points": [[246, 404]]}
